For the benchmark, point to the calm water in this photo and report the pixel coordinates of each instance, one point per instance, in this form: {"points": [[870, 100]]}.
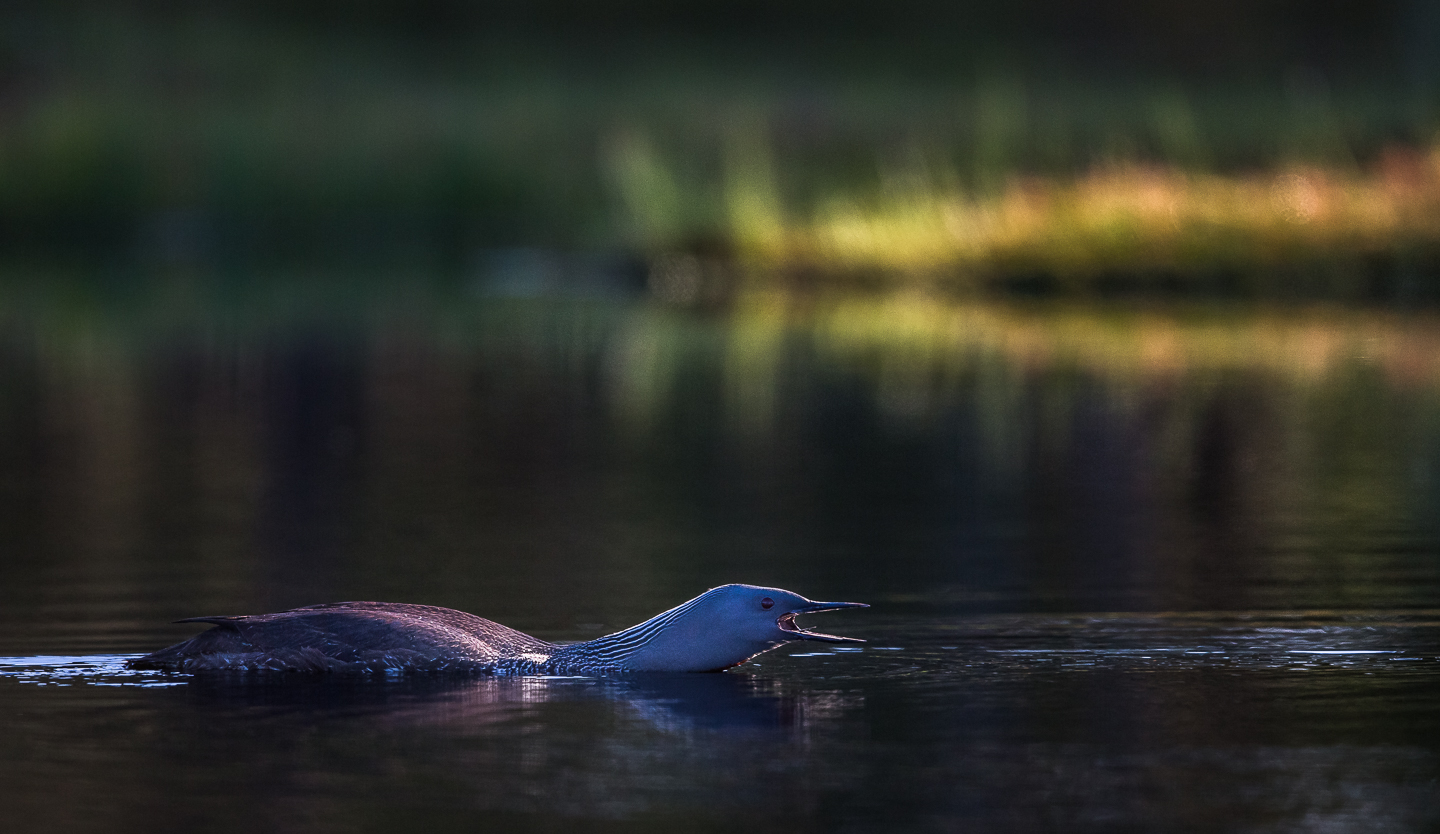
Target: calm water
{"points": [[1129, 571]]}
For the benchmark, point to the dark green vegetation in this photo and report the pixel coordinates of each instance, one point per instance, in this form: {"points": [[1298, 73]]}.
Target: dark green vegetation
{"points": [[235, 135]]}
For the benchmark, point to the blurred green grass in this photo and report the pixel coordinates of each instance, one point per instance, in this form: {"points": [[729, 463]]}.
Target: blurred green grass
{"points": [[249, 140]]}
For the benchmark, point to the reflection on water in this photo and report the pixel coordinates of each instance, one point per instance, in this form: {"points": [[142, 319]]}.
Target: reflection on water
{"points": [[1101, 460], [1014, 489], [670, 701], [1239, 721], [94, 670]]}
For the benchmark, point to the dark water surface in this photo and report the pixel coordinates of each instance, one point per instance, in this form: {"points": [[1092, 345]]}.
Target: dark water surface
{"points": [[1131, 571]]}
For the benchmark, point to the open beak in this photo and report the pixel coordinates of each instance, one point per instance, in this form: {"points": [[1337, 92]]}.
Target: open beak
{"points": [[787, 621]]}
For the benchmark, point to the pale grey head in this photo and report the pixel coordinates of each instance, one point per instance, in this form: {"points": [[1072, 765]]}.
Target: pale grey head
{"points": [[722, 627]]}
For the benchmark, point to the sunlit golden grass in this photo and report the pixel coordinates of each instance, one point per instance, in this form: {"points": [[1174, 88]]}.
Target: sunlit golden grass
{"points": [[1132, 218]]}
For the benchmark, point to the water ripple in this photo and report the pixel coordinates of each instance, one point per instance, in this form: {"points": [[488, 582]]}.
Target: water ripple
{"points": [[73, 670]]}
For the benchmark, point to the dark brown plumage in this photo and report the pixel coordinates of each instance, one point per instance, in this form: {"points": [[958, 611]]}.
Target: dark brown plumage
{"points": [[349, 636]]}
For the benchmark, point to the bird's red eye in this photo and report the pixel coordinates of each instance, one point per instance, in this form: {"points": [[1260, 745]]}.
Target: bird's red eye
{"points": [[767, 603]]}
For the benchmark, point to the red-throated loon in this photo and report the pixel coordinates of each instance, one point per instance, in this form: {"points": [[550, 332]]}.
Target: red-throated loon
{"points": [[722, 627]]}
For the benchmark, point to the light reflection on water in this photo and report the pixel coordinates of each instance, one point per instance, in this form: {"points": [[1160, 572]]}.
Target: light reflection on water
{"points": [[1258, 721], [1250, 721], [92, 670], [1191, 640], [984, 481]]}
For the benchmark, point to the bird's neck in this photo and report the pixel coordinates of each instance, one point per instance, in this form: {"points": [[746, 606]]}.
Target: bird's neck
{"points": [[675, 641]]}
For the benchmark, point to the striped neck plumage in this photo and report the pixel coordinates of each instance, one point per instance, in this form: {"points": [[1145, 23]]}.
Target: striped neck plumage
{"points": [[614, 650], [722, 627]]}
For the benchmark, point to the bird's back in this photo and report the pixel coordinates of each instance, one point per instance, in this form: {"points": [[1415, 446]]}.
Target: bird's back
{"points": [[351, 636]]}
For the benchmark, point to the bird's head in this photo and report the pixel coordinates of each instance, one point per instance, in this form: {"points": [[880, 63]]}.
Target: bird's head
{"points": [[726, 626], [768, 614]]}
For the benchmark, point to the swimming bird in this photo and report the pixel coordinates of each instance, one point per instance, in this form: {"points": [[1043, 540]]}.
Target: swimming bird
{"points": [[721, 628]]}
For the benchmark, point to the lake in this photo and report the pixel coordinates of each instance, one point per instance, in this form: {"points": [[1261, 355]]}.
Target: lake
{"points": [[1132, 566]]}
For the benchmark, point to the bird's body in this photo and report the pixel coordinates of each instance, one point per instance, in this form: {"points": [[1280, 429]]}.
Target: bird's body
{"points": [[722, 627]]}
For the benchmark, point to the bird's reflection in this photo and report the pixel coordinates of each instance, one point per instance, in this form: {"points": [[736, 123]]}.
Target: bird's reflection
{"points": [[679, 702]]}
